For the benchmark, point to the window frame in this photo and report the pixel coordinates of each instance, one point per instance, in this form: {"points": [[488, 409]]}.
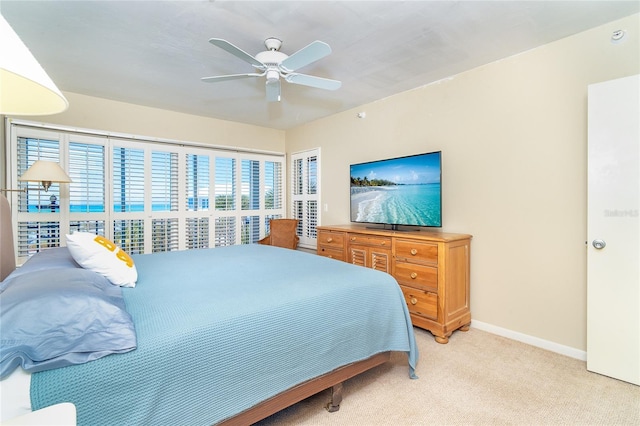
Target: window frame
{"points": [[63, 216], [309, 220]]}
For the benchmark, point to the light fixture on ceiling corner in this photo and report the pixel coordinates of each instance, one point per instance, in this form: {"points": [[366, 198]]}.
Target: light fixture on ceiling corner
{"points": [[25, 87], [361, 114], [45, 172], [618, 36]]}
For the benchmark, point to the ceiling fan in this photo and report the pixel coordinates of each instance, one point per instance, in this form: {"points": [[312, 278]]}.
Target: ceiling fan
{"points": [[274, 64]]}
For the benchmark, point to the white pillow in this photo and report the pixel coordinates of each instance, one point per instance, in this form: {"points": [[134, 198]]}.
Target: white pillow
{"points": [[98, 254]]}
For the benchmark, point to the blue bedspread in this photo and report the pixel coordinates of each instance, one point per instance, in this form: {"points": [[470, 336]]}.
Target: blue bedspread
{"points": [[220, 330]]}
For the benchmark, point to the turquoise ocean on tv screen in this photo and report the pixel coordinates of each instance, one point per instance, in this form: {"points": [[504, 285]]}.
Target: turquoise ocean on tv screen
{"points": [[400, 204]]}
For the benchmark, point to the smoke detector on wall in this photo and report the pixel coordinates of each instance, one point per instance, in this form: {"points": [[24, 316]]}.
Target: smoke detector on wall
{"points": [[618, 36]]}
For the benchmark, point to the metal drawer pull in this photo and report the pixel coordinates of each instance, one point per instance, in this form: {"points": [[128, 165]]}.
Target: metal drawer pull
{"points": [[414, 252], [413, 300], [414, 275]]}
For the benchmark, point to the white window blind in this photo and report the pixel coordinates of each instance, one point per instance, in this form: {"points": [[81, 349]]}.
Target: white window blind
{"points": [[305, 194], [165, 235], [273, 195], [34, 236], [145, 196], [39, 217], [36, 199], [86, 170], [94, 226], [197, 232], [250, 229], [128, 179], [165, 222], [225, 233], [225, 189], [87, 208], [250, 185], [197, 181], [164, 181], [129, 235]]}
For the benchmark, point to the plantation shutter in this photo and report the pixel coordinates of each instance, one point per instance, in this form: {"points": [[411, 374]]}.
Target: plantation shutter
{"points": [[147, 196], [87, 191], [196, 202], [36, 199], [165, 224], [129, 199], [305, 195], [39, 224], [250, 225], [164, 181], [225, 200]]}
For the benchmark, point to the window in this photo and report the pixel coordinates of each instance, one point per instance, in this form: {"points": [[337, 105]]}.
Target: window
{"points": [[145, 196], [305, 196], [164, 181], [38, 212], [88, 191]]}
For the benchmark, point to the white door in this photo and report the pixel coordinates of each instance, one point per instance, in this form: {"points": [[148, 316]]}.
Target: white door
{"points": [[613, 230]]}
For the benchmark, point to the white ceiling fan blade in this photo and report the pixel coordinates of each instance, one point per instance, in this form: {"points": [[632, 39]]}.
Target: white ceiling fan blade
{"points": [[309, 80], [236, 51], [273, 90], [308, 54], [218, 78]]}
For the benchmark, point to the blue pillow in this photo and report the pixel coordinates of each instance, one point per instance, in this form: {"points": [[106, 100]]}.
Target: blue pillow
{"points": [[57, 257], [60, 315]]}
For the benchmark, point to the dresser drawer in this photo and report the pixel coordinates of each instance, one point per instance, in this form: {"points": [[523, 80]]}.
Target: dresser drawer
{"points": [[421, 302], [331, 252], [331, 239], [417, 276], [417, 251], [370, 240]]}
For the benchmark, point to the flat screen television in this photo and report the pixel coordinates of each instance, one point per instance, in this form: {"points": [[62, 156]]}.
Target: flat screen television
{"points": [[398, 191]]}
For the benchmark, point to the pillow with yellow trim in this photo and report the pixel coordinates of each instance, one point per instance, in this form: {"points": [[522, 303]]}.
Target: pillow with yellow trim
{"points": [[98, 254]]}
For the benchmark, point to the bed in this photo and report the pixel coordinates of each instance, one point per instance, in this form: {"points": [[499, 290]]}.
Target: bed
{"points": [[228, 335]]}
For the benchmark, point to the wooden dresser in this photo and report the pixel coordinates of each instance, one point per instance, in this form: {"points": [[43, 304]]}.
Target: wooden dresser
{"points": [[431, 267]]}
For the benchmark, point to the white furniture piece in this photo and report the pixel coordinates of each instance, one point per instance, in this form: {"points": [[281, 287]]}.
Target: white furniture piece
{"points": [[56, 415]]}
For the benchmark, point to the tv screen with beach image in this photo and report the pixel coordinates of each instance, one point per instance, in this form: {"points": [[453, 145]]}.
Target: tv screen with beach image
{"points": [[398, 191]]}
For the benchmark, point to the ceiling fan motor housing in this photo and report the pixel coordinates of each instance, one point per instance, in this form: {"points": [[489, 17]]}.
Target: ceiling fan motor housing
{"points": [[273, 43], [271, 58]]}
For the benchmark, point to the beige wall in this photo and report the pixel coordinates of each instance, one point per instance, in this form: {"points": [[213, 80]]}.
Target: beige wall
{"points": [[102, 114], [513, 136]]}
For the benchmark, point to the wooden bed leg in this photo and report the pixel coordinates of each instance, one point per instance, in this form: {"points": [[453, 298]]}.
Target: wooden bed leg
{"points": [[336, 398]]}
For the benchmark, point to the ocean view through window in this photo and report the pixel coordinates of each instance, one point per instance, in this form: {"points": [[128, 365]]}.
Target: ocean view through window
{"points": [[146, 196]]}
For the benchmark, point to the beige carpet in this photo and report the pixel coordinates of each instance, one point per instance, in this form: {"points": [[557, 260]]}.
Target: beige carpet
{"points": [[476, 379]]}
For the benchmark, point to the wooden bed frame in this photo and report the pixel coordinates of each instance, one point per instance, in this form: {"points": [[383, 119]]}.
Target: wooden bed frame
{"points": [[304, 390], [333, 379]]}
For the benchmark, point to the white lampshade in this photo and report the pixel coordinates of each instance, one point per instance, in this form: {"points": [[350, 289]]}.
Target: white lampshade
{"points": [[25, 88], [45, 172]]}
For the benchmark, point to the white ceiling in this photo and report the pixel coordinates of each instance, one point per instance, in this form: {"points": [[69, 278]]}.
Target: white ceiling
{"points": [[154, 53]]}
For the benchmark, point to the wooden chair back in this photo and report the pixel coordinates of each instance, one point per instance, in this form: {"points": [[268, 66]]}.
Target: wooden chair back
{"points": [[282, 233]]}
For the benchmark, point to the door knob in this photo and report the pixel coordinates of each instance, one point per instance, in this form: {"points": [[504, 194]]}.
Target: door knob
{"points": [[599, 244]]}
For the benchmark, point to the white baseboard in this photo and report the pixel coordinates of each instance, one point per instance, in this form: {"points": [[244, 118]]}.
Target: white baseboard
{"points": [[530, 340]]}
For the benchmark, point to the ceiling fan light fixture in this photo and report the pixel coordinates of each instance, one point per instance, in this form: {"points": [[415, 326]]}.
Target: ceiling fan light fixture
{"points": [[274, 64], [273, 75]]}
